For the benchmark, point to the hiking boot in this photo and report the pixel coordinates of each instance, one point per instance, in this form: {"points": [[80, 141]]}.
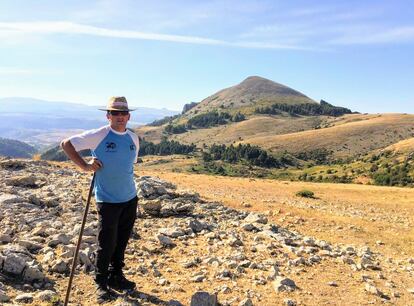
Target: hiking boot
{"points": [[104, 294], [118, 281]]}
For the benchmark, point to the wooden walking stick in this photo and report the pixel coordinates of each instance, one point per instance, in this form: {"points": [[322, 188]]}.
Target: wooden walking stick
{"points": [[75, 256]]}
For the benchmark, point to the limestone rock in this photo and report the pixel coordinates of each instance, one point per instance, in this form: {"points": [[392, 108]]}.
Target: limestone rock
{"points": [[256, 218], [59, 239], [33, 272], [197, 226], [28, 181], [60, 266], [165, 241], [5, 238], [30, 245], [202, 298], [25, 298], [373, 290], [14, 263], [173, 232], [250, 227], [84, 258], [283, 284], [149, 186], [6, 198], [175, 208], [152, 207], [46, 295]]}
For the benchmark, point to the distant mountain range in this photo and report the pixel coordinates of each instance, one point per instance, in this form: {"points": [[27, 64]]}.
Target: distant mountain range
{"points": [[42, 123]]}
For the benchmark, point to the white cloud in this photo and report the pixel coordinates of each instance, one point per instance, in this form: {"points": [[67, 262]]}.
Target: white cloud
{"points": [[64, 27]]}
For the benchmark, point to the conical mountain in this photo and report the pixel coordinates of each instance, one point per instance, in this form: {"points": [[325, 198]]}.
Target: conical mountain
{"points": [[252, 92]]}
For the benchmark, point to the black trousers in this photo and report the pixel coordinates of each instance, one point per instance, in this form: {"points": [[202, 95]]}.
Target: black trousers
{"points": [[116, 221]]}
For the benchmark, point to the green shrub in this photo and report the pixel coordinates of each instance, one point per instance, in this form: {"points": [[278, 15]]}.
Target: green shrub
{"points": [[209, 119], [304, 193], [165, 147], [175, 129], [306, 109]]}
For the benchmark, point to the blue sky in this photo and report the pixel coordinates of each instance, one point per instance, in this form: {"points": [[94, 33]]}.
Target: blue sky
{"points": [[357, 54]]}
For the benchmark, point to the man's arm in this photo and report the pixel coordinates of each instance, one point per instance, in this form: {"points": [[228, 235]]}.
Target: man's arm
{"points": [[70, 151]]}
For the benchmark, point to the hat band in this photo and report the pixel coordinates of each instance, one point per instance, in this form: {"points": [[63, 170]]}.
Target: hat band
{"points": [[119, 104]]}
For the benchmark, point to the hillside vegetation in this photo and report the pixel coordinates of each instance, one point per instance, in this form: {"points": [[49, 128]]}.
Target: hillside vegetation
{"points": [[278, 119], [289, 136], [15, 148], [345, 137], [309, 109]]}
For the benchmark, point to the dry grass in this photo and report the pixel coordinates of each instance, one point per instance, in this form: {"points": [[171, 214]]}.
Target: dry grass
{"points": [[150, 133], [257, 126], [342, 214], [402, 147], [348, 135], [345, 139]]}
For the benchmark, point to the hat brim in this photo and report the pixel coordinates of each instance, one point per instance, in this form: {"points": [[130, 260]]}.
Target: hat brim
{"points": [[118, 109]]}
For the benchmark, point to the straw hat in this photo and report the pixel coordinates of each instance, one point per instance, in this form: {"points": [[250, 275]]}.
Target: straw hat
{"points": [[117, 104]]}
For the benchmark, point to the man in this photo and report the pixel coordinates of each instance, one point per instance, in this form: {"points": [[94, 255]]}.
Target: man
{"points": [[114, 150]]}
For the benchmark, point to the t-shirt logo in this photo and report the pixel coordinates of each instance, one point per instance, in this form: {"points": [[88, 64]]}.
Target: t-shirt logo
{"points": [[132, 147], [110, 147]]}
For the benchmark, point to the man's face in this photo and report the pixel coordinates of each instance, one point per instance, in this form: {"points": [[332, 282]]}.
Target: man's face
{"points": [[118, 119]]}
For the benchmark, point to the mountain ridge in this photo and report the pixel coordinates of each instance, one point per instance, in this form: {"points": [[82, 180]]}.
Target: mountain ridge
{"points": [[252, 91]]}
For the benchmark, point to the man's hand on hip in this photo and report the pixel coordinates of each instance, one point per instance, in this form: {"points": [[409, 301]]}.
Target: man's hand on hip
{"points": [[93, 165]]}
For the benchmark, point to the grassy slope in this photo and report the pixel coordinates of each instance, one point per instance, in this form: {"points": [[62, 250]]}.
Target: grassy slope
{"points": [[349, 135], [257, 126], [150, 133], [344, 138], [403, 147]]}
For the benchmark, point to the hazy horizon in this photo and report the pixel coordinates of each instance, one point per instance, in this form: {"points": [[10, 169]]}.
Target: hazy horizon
{"points": [[86, 104]]}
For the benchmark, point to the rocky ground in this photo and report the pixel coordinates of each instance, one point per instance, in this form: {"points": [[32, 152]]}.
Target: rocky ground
{"points": [[185, 250]]}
